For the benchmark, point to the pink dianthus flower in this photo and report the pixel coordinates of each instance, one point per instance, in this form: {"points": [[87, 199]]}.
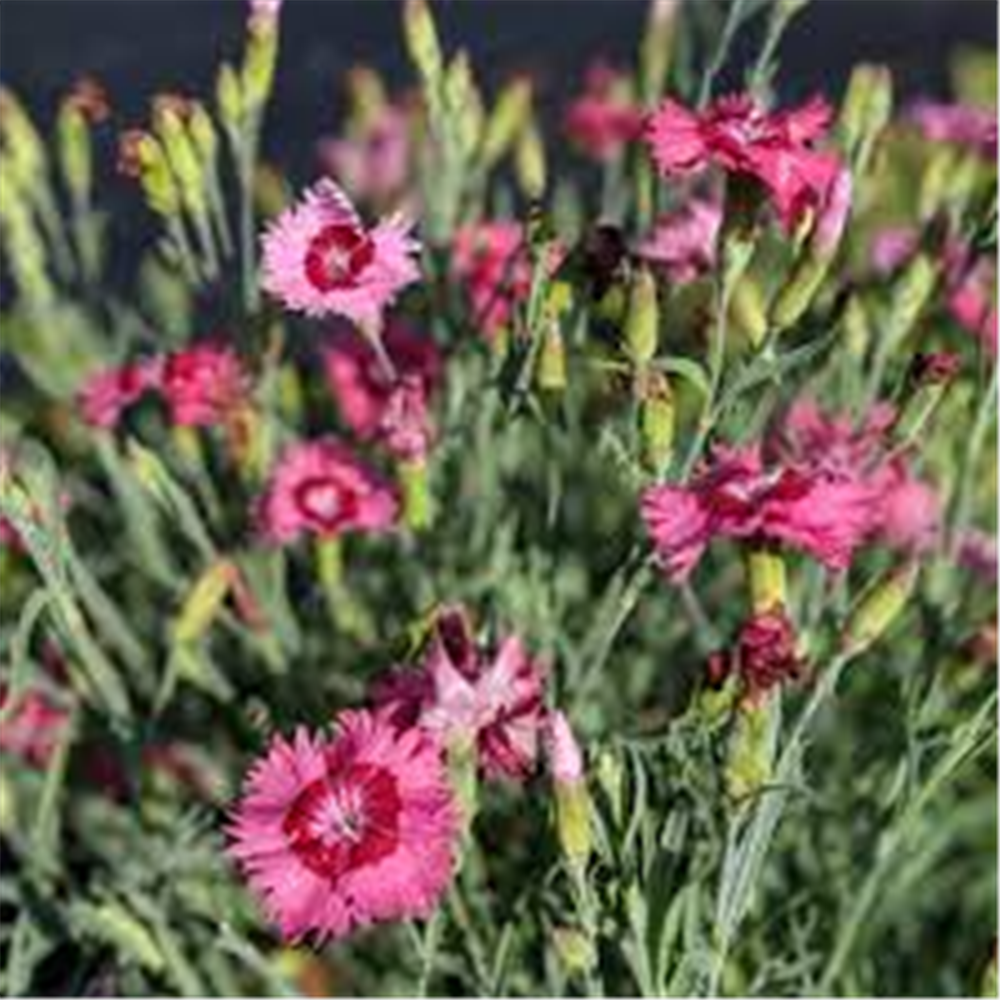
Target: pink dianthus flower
{"points": [[335, 835], [204, 385], [491, 699], [603, 119], [738, 135], [107, 394], [359, 382], [322, 488], [684, 244], [962, 124], [320, 259], [32, 725]]}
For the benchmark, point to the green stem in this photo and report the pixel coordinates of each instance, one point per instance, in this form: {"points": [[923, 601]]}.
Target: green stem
{"points": [[429, 949]]}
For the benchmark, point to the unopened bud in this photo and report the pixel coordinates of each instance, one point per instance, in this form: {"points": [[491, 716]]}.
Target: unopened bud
{"points": [[464, 103], [418, 507], [574, 949], [657, 421], [910, 296], [513, 109], [573, 805], [75, 150], [866, 111], [422, 41], [551, 373], [258, 68], [738, 236], [750, 750], [878, 609], [927, 382], [748, 311], [642, 321], [204, 601], [183, 159], [529, 162], [768, 580], [229, 98]]}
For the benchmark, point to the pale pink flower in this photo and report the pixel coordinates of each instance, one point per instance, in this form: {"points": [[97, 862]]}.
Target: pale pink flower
{"points": [[335, 835], [264, 15], [406, 428], [204, 385], [562, 750], [374, 165], [492, 699], [322, 488], [833, 213], [358, 381], [107, 394], [683, 244], [737, 495], [738, 135], [491, 260], [320, 259], [893, 246], [962, 124], [32, 725], [603, 119]]}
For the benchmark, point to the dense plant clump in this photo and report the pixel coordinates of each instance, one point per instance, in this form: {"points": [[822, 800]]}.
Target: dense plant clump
{"points": [[534, 555]]}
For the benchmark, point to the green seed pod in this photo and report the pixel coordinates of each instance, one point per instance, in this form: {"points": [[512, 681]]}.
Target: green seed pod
{"points": [[642, 321], [879, 608]]}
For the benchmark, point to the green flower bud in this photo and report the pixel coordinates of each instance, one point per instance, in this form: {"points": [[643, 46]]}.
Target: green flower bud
{"points": [[422, 42], [258, 68], [865, 112], [229, 98], [927, 382], [75, 151], [879, 608], [551, 371], [512, 110], [529, 162], [910, 296], [642, 321], [418, 508], [183, 160], [573, 819], [204, 602], [750, 750], [574, 949], [657, 420], [768, 580]]}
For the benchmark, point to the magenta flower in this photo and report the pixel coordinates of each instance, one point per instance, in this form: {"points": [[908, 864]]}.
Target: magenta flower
{"points": [[764, 656], [321, 488], [962, 124], [603, 119], [739, 136], [374, 165], [683, 244], [33, 725], [109, 393], [359, 383], [465, 694], [406, 428], [737, 495], [906, 513], [334, 835], [977, 552], [204, 385], [321, 260]]}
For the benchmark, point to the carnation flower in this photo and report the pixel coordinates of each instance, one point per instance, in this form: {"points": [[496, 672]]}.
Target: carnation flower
{"points": [[406, 427], [335, 835], [33, 724], [373, 165], [683, 244], [962, 124], [320, 259], [906, 513], [603, 119], [321, 488], [465, 694], [204, 385], [107, 394], [738, 135], [739, 495], [359, 382], [491, 259]]}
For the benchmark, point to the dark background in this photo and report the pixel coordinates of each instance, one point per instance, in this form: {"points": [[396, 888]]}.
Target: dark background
{"points": [[137, 47]]}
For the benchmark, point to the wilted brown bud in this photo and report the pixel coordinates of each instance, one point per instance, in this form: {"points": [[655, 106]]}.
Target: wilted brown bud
{"points": [[90, 99]]}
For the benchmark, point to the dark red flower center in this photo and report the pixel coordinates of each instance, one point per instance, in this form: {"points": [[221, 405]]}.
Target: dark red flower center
{"points": [[326, 502], [345, 821], [337, 256]]}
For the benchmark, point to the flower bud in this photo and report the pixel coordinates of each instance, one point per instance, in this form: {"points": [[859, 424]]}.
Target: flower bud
{"points": [[463, 775], [768, 580], [573, 805], [418, 508], [750, 750], [878, 609], [143, 156], [610, 774], [422, 42], [513, 109], [574, 949], [551, 372], [464, 103], [75, 151], [529, 162], [927, 381], [183, 159], [642, 321], [738, 236], [866, 111], [258, 68], [657, 420], [748, 311], [910, 296], [204, 601], [229, 98]]}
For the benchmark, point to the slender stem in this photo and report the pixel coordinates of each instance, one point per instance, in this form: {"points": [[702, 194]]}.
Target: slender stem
{"points": [[248, 161], [733, 21], [428, 952]]}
